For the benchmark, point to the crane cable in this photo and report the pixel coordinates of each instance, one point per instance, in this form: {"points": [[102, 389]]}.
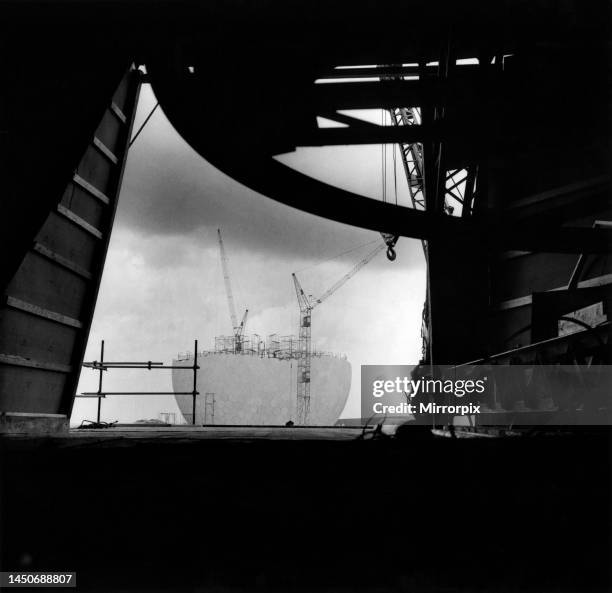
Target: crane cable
{"points": [[395, 171], [389, 239], [382, 161], [336, 256]]}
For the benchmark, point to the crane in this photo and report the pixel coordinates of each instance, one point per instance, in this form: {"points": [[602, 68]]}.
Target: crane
{"points": [[412, 161], [307, 304], [237, 328], [458, 189]]}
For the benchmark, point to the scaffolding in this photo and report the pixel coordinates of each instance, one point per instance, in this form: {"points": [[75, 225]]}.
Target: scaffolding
{"points": [[274, 346], [102, 366]]}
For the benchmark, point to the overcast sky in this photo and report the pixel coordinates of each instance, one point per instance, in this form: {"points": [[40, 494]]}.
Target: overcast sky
{"points": [[163, 285]]}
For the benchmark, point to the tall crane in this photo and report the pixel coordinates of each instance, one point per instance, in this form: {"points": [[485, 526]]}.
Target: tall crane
{"points": [[412, 161], [459, 190], [237, 328], [307, 304]]}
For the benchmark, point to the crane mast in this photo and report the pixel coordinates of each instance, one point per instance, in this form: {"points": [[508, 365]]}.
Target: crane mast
{"points": [[412, 155], [304, 355], [237, 328], [306, 305]]}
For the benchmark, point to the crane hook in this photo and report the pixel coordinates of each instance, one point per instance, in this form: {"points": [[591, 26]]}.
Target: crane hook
{"points": [[390, 240]]}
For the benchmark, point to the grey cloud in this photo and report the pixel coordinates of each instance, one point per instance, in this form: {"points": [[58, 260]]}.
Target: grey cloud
{"points": [[169, 190]]}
